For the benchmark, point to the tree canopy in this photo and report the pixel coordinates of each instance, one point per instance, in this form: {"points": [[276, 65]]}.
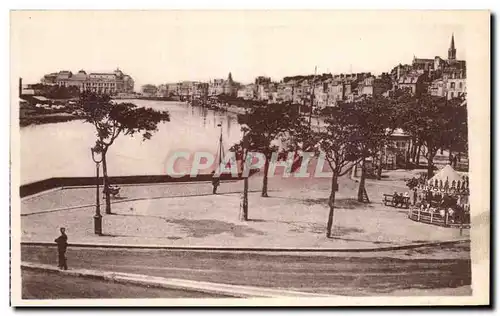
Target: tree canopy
{"points": [[436, 123], [111, 119], [264, 124]]}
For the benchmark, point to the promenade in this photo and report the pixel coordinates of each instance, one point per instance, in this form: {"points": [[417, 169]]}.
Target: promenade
{"points": [[188, 215]]}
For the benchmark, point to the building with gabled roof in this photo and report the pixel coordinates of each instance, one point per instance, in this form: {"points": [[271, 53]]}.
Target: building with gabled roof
{"points": [[100, 82]]}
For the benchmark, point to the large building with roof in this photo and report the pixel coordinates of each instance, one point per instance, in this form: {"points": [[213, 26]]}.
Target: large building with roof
{"points": [[439, 67], [110, 83], [440, 77], [221, 86]]}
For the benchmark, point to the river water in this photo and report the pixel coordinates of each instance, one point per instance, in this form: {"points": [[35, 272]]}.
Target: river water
{"points": [[63, 149]]}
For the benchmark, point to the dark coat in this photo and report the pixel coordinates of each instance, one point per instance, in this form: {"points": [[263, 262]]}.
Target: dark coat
{"points": [[62, 242]]}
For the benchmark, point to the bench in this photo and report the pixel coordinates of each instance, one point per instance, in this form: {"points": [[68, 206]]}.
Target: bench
{"points": [[389, 201], [114, 191]]}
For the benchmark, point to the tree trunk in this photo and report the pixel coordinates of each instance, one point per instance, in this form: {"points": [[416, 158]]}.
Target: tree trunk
{"points": [[379, 169], [331, 204], [418, 154], [407, 156], [106, 183], [244, 215], [412, 149], [244, 206], [361, 187], [264, 182], [414, 153], [430, 164], [450, 157]]}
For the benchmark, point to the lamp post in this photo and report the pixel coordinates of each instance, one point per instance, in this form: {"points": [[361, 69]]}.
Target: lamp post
{"points": [[97, 158]]}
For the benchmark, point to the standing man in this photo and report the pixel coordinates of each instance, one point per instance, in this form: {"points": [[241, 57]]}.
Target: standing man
{"points": [[414, 196], [215, 182], [62, 244]]}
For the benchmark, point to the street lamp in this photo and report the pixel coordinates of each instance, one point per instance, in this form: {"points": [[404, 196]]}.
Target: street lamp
{"points": [[97, 158]]}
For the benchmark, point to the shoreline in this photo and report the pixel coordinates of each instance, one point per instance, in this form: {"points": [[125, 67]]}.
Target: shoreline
{"points": [[47, 119]]}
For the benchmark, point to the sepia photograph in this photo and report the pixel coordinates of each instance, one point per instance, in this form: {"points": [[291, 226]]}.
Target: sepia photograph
{"points": [[250, 158]]}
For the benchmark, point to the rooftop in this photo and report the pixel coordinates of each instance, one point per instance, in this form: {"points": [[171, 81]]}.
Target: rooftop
{"points": [[409, 79]]}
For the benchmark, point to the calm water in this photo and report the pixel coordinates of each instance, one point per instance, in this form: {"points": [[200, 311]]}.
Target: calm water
{"points": [[63, 149]]}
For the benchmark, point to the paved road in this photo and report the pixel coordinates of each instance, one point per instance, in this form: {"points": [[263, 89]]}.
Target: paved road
{"points": [[320, 274], [47, 285]]}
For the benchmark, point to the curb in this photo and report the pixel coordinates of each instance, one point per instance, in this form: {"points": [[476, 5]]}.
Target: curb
{"points": [[239, 291], [250, 250]]}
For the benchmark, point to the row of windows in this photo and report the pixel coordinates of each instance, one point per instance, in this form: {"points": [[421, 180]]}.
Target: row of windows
{"points": [[100, 84], [452, 85], [88, 83], [455, 95]]}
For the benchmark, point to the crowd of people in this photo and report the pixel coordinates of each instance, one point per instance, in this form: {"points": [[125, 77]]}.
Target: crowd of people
{"points": [[400, 199], [442, 198], [440, 203], [455, 187]]}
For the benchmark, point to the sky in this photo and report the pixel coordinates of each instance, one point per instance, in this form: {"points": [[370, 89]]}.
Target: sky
{"points": [[168, 46]]}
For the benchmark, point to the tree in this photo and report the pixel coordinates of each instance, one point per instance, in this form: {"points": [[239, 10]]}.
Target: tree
{"points": [[112, 119], [435, 123], [339, 142], [456, 131], [265, 124], [375, 123]]}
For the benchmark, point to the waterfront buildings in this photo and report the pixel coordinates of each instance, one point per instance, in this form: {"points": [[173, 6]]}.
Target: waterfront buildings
{"points": [[221, 86], [438, 76], [216, 87], [106, 82], [230, 87], [149, 90], [247, 92]]}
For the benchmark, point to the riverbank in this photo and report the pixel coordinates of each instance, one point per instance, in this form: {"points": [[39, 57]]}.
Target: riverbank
{"points": [[46, 119]]}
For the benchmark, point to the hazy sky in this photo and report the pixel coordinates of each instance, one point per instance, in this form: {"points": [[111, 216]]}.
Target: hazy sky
{"points": [[167, 46]]}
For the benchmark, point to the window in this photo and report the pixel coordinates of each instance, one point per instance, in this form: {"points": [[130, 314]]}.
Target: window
{"points": [[452, 95], [452, 85], [461, 85]]}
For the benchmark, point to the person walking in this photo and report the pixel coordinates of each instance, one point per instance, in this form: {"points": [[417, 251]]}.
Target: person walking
{"points": [[62, 244], [215, 182]]}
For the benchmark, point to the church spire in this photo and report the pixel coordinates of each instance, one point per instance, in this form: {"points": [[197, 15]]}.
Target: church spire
{"points": [[452, 51]]}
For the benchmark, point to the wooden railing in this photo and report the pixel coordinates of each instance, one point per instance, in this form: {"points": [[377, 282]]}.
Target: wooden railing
{"points": [[435, 218]]}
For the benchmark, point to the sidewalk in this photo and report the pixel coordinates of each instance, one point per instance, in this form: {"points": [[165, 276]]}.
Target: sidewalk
{"points": [[221, 289], [294, 216]]}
